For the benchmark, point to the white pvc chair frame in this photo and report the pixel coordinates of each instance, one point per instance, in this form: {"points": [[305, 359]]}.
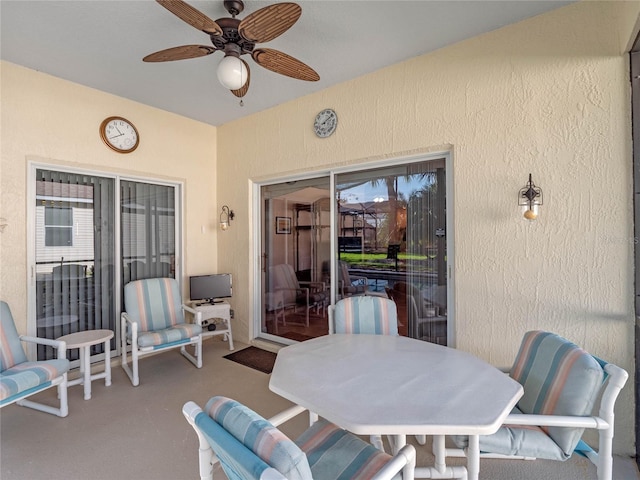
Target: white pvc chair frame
{"points": [[136, 352], [603, 423], [404, 461], [60, 382]]}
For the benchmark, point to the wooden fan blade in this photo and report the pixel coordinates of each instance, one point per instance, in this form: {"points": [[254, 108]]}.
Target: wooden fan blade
{"points": [[242, 91], [193, 17], [284, 64], [269, 22], [179, 53]]}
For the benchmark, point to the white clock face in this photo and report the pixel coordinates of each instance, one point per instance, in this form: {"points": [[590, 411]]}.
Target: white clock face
{"points": [[119, 134], [326, 123]]}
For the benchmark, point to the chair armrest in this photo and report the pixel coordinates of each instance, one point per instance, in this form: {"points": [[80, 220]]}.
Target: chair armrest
{"points": [[60, 345], [405, 457], [132, 325], [286, 415], [556, 421], [316, 285], [197, 315]]}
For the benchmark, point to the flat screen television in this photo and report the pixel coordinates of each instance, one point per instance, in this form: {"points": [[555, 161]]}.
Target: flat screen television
{"points": [[210, 288]]}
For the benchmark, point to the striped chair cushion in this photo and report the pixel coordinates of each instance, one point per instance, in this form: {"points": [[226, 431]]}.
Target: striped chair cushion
{"points": [[259, 436], [11, 352], [29, 375], [559, 378], [153, 303], [237, 461], [366, 314], [336, 454], [176, 334]]}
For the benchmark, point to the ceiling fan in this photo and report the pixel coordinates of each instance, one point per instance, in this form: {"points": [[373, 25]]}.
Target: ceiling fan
{"points": [[239, 37]]}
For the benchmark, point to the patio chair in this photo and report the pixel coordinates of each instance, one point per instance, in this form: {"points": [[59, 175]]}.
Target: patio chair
{"points": [[349, 284], [154, 321], [423, 321], [561, 384], [20, 378], [297, 294], [364, 315], [249, 447]]}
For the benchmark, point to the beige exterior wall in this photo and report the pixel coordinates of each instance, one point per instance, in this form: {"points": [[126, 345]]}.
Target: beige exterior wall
{"points": [[549, 96], [53, 121]]}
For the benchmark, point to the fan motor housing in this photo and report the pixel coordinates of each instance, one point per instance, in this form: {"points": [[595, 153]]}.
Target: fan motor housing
{"points": [[230, 34]]}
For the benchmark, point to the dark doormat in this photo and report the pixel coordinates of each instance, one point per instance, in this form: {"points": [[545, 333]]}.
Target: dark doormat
{"points": [[298, 337], [255, 358]]}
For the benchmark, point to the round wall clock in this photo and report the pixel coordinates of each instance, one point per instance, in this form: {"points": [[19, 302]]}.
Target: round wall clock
{"points": [[325, 123], [119, 134]]}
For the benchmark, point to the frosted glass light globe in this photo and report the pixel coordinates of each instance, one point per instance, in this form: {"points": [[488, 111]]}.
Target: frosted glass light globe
{"points": [[232, 72]]}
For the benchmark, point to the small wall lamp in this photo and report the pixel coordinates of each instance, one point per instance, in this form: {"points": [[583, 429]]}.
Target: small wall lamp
{"points": [[225, 217], [530, 199]]}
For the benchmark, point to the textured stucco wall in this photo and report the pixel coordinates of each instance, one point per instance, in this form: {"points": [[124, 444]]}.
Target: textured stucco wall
{"points": [[51, 120], [549, 96]]}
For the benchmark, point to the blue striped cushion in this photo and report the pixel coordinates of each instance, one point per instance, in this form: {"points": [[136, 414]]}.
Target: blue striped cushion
{"points": [[559, 378], [259, 436], [336, 454], [237, 461], [153, 303], [28, 375], [169, 335], [366, 314], [11, 352]]}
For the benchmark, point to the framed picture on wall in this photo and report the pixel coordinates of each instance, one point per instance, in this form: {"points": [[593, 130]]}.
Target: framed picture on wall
{"points": [[283, 225]]}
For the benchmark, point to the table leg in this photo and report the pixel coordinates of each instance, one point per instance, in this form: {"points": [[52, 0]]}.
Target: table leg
{"points": [[86, 368], [439, 453], [473, 457], [107, 362]]}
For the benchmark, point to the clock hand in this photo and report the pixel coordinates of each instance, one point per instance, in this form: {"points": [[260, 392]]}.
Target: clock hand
{"points": [[116, 136], [118, 130]]}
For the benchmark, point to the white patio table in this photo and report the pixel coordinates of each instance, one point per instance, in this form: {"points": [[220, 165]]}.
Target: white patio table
{"points": [[398, 386]]}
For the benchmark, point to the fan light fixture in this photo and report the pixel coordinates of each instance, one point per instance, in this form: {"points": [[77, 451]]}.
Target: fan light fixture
{"points": [[530, 199], [225, 217], [235, 38], [232, 72]]}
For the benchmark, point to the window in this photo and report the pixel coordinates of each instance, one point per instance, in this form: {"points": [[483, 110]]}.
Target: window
{"points": [[58, 224]]}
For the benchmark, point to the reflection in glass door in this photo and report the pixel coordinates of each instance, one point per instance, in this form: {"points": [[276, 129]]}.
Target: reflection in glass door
{"points": [[74, 256], [391, 241], [296, 258]]}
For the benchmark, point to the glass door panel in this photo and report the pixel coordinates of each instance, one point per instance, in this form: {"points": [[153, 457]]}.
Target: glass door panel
{"points": [[296, 240], [148, 217], [391, 241], [75, 249]]}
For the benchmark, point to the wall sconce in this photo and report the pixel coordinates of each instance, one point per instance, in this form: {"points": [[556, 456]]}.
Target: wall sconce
{"points": [[530, 199], [225, 217]]}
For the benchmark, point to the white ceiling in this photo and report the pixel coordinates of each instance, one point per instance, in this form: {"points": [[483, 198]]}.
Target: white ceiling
{"points": [[100, 44]]}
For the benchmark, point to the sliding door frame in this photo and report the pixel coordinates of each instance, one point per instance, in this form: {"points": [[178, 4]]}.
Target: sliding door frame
{"points": [[256, 263], [32, 167]]}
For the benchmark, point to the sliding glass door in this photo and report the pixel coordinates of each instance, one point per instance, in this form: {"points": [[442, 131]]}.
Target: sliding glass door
{"points": [[94, 234], [389, 229]]}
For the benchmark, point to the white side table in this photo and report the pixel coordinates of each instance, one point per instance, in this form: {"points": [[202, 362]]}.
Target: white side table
{"points": [[83, 341], [220, 311]]}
